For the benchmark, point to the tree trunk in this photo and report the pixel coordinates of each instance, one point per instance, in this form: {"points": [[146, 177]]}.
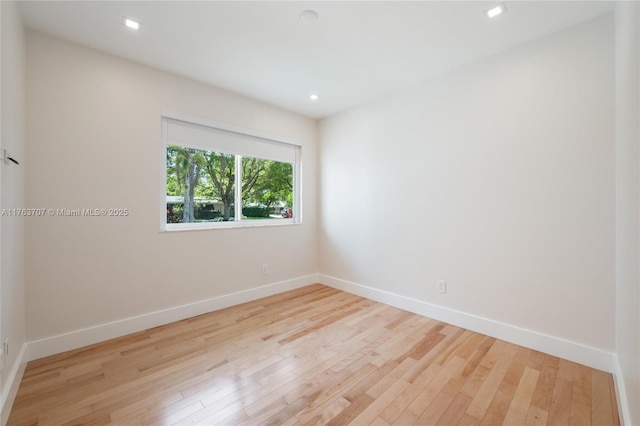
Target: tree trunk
{"points": [[227, 210], [189, 189]]}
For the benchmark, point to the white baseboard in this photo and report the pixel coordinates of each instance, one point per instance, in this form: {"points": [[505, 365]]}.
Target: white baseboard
{"points": [[99, 333], [13, 383], [621, 392], [572, 351]]}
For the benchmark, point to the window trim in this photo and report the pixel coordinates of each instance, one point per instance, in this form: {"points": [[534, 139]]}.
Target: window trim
{"points": [[254, 223]]}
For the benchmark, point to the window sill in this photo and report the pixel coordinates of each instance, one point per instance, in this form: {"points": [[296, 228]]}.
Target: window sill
{"points": [[208, 226]]}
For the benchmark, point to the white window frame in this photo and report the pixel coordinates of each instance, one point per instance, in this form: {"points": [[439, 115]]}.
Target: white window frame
{"points": [[238, 223]]}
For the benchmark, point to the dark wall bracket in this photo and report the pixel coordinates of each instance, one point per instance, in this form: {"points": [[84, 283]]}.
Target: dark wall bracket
{"points": [[8, 159]]}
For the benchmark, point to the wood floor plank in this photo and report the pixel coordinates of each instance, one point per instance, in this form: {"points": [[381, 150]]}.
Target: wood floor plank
{"points": [[373, 411], [173, 417], [454, 343], [436, 409], [340, 383], [455, 411], [329, 410], [536, 416], [582, 385], [601, 410], [430, 392], [390, 379], [310, 356], [521, 401], [501, 401], [352, 411], [614, 401], [497, 410], [580, 414], [171, 413], [581, 397], [543, 392], [476, 372], [379, 422], [560, 410], [409, 394], [489, 387]]}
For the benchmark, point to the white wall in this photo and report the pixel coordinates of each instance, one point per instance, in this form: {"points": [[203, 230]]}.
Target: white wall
{"points": [[12, 294], [94, 142], [498, 178], [628, 207]]}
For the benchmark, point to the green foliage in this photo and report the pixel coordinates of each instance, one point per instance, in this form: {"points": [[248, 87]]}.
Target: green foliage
{"points": [[174, 171], [199, 174], [202, 212], [220, 170], [255, 211], [206, 212], [274, 185], [174, 213], [178, 162]]}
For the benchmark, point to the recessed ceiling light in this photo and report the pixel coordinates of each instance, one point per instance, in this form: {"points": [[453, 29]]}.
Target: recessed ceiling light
{"points": [[309, 16], [314, 97], [130, 23], [496, 11]]}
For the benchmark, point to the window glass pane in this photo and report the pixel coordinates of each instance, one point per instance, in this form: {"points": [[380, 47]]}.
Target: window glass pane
{"points": [[200, 185], [267, 189], [222, 177]]}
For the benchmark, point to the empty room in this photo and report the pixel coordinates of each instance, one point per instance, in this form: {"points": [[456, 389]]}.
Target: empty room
{"points": [[327, 212]]}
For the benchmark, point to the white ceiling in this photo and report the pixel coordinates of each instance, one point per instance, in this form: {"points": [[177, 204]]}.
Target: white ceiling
{"points": [[355, 52]]}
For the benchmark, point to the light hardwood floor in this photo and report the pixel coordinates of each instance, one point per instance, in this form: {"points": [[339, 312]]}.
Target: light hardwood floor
{"points": [[314, 355]]}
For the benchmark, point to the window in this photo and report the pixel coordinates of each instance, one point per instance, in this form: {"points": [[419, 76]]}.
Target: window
{"points": [[216, 176]]}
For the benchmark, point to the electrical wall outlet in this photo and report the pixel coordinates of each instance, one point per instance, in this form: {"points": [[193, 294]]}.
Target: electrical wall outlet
{"points": [[265, 268], [442, 286]]}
